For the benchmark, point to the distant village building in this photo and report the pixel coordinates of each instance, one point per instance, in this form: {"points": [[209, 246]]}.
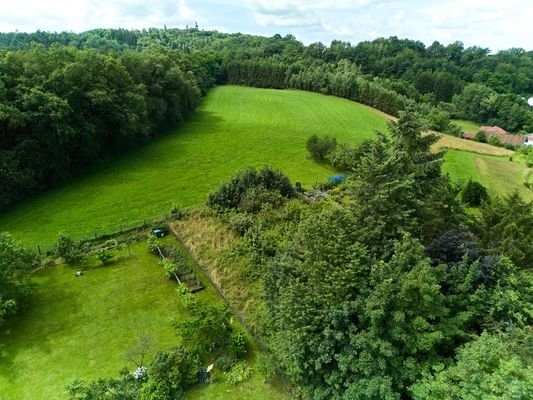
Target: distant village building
{"points": [[502, 135], [493, 129]]}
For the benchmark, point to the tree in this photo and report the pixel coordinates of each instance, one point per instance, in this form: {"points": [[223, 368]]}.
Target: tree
{"points": [[346, 328], [474, 194], [486, 368], [16, 263], [398, 187], [320, 148], [137, 353], [504, 227]]}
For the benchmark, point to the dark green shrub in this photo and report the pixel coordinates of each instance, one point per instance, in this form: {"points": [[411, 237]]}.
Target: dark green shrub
{"points": [[224, 363], [230, 194], [474, 193], [153, 244], [241, 222], [237, 345], [175, 369], [69, 249], [256, 197], [347, 158], [481, 137], [495, 141], [240, 372], [319, 148]]}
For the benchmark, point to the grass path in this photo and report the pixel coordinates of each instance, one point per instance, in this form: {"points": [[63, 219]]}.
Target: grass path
{"points": [[234, 127], [497, 173]]}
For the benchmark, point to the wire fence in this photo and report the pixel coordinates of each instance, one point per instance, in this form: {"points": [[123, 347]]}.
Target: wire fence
{"points": [[107, 232]]}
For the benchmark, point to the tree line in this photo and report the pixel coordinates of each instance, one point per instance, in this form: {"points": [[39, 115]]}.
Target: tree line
{"points": [[63, 109]]}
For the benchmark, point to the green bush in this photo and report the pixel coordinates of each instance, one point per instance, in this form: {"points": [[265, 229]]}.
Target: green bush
{"points": [[481, 137], [474, 193], [175, 369], [319, 148], [70, 250], [104, 255], [224, 363], [255, 198], [237, 345], [240, 222], [153, 245], [495, 141], [240, 372], [230, 194]]}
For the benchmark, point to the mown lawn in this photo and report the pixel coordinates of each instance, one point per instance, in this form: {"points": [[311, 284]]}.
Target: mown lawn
{"points": [[498, 174], [467, 126], [235, 127], [82, 327]]}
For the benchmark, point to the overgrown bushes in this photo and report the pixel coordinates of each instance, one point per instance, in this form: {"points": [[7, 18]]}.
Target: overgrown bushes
{"points": [[250, 187]]}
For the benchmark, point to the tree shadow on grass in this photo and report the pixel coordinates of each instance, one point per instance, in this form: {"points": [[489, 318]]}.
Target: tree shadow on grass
{"points": [[32, 332]]}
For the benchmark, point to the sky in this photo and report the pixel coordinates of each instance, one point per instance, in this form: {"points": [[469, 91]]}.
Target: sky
{"points": [[493, 24]]}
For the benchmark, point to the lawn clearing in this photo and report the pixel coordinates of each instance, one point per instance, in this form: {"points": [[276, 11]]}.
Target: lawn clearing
{"points": [[497, 173], [467, 126], [80, 327], [235, 127]]}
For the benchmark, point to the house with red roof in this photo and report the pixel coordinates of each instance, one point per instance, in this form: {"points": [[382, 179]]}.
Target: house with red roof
{"points": [[493, 129]]}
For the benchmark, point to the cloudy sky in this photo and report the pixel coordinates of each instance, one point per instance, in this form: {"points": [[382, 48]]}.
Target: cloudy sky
{"points": [[496, 24]]}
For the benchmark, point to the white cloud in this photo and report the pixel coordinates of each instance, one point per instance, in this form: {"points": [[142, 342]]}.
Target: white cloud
{"points": [[496, 24], [79, 15]]}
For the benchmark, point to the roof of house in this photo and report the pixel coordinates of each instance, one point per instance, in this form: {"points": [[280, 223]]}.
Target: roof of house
{"points": [[516, 140], [493, 129]]}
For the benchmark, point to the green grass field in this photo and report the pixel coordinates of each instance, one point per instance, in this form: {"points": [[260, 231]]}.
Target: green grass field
{"points": [[81, 328], [497, 173], [467, 126], [234, 127]]}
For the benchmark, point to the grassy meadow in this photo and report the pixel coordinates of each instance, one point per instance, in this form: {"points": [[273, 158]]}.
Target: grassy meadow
{"points": [[81, 327], [467, 126], [234, 127], [497, 173]]}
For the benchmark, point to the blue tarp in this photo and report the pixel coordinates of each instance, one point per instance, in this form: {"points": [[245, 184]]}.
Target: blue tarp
{"points": [[337, 179]]}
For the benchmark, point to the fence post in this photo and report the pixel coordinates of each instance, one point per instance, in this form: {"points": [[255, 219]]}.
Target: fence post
{"points": [[39, 249], [95, 237]]}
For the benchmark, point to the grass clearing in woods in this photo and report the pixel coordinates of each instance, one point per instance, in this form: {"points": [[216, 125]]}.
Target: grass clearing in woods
{"points": [[235, 127]]}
